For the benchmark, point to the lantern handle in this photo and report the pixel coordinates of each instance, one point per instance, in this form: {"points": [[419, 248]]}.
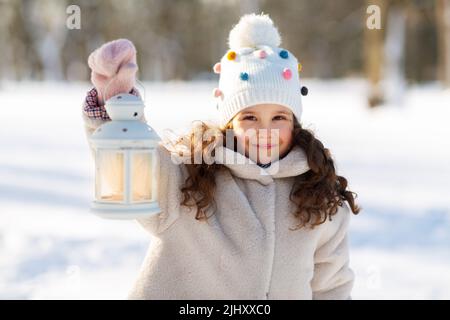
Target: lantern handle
{"points": [[137, 82], [142, 93]]}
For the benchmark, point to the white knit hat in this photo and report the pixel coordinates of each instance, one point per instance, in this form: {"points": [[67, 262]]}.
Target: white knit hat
{"points": [[255, 70]]}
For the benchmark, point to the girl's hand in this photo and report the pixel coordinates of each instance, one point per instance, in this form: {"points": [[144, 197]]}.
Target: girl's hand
{"points": [[113, 68]]}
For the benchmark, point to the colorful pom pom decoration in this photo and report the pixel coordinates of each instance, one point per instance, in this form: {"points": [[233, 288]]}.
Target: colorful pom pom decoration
{"points": [[304, 91], [217, 93], [262, 54], [284, 54], [231, 55], [244, 76], [287, 73], [217, 67]]}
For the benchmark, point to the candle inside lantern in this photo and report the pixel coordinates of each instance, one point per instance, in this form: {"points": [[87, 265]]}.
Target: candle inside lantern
{"points": [[110, 176], [141, 181]]}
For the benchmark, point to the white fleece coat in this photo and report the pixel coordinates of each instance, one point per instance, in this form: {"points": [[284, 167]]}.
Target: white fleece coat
{"points": [[245, 250]]}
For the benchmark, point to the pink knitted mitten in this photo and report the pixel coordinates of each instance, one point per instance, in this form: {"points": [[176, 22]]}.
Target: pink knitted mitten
{"points": [[113, 68]]}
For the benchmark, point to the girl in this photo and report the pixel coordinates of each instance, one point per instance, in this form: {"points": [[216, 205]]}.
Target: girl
{"points": [[248, 224]]}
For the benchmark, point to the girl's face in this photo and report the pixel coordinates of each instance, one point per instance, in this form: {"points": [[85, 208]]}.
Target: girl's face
{"points": [[263, 132]]}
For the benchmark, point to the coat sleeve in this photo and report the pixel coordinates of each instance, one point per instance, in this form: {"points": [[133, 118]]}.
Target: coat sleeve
{"points": [[169, 174], [333, 278]]}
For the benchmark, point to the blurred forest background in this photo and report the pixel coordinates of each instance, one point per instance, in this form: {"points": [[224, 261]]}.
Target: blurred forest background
{"points": [[182, 39]]}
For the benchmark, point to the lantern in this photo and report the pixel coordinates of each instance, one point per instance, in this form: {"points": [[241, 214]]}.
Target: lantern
{"points": [[125, 162]]}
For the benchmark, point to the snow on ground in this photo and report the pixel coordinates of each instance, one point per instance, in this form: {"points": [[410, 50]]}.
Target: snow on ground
{"points": [[397, 158]]}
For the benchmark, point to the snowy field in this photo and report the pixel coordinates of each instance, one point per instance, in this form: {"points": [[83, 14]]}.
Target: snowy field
{"points": [[396, 157]]}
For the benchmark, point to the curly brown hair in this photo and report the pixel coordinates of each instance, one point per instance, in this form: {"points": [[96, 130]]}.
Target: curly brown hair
{"points": [[317, 193]]}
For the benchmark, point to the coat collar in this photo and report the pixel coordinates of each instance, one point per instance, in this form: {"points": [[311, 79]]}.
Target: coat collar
{"points": [[293, 164]]}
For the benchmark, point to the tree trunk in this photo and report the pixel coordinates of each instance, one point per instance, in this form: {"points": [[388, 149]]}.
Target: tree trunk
{"points": [[373, 56], [394, 53], [443, 26]]}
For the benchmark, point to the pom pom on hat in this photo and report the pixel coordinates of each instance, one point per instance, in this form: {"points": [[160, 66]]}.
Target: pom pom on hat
{"points": [[217, 67], [217, 93], [254, 30]]}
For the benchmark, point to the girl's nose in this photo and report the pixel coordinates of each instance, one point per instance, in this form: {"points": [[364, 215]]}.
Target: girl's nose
{"points": [[267, 133]]}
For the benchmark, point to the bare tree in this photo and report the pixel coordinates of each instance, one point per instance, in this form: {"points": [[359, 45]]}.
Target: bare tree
{"points": [[443, 23]]}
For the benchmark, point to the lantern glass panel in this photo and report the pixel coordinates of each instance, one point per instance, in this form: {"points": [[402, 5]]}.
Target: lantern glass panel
{"points": [[142, 166], [110, 176]]}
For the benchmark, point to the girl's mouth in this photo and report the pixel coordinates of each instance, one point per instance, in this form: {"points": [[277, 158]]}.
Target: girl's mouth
{"points": [[265, 146]]}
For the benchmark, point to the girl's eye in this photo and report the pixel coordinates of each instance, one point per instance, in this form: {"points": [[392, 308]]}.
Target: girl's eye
{"points": [[249, 118], [280, 118]]}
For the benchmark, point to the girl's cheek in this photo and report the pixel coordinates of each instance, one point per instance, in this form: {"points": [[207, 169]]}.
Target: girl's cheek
{"points": [[241, 143], [285, 132], [286, 135]]}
